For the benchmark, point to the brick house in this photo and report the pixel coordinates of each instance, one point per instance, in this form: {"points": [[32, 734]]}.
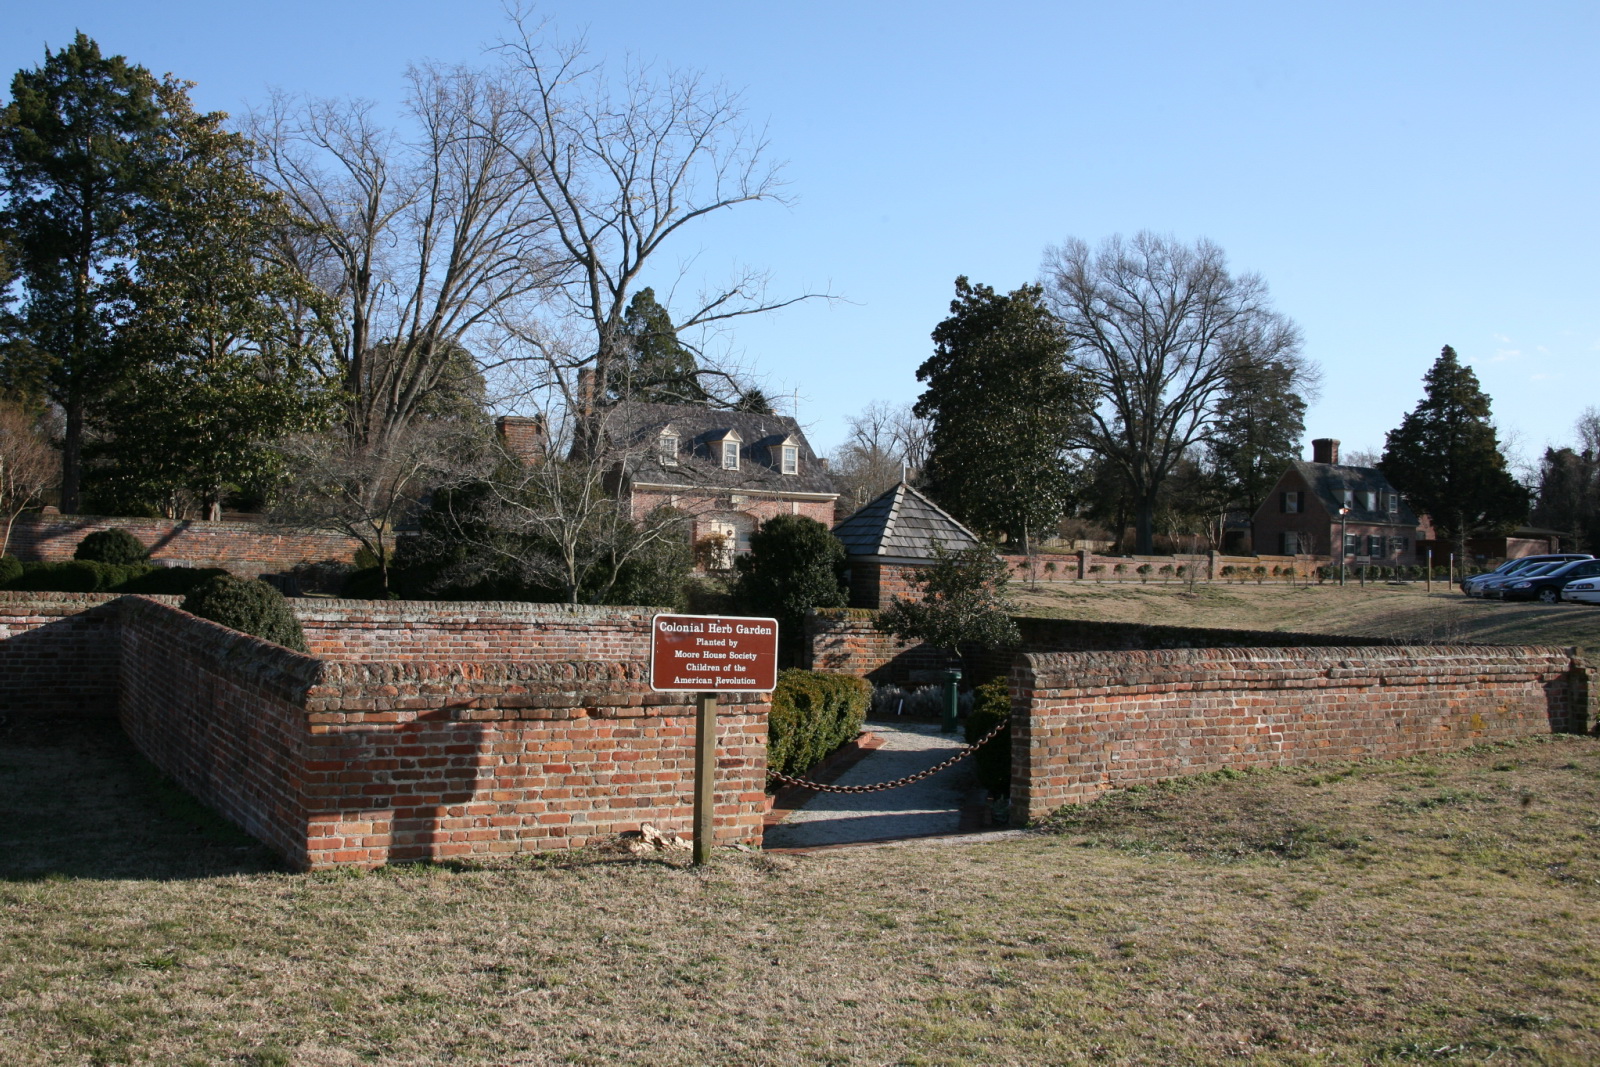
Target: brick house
{"points": [[1301, 514], [730, 470], [889, 539]]}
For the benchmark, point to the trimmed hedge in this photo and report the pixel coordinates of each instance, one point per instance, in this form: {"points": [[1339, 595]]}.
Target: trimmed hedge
{"points": [[85, 576], [250, 606], [991, 705], [813, 714], [116, 546]]}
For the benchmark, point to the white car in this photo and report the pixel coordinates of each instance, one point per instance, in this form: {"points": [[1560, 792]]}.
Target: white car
{"points": [[1584, 591]]}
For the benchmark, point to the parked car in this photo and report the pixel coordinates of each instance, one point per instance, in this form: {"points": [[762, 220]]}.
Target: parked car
{"points": [[1583, 591], [1492, 588], [1474, 586], [1547, 587]]}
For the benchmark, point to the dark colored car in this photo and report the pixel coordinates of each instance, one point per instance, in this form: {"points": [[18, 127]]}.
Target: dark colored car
{"points": [[1547, 587], [1474, 586]]}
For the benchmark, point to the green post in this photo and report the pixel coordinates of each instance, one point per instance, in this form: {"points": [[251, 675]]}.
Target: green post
{"points": [[952, 700]]}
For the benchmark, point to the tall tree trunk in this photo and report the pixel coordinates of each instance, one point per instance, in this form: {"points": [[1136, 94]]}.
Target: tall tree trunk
{"points": [[72, 459], [1144, 531]]}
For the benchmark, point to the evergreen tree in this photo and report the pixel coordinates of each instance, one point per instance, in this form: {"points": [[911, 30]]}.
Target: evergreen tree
{"points": [[794, 564], [1260, 420], [658, 368], [1002, 404], [1446, 460], [226, 348], [77, 142]]}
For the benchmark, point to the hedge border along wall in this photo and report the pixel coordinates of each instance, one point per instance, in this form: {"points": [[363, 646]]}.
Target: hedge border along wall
{"points": [[247, 549], [548, 738], [1084, 723]]}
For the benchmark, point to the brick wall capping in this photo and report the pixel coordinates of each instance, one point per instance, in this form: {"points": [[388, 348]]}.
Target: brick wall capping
{"points": [[401, 611]]}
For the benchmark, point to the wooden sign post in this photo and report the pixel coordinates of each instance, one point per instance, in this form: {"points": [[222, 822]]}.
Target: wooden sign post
{"points": [[705, 655]]}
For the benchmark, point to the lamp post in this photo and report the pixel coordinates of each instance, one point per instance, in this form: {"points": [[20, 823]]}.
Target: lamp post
{"points": [[1343, 514]]}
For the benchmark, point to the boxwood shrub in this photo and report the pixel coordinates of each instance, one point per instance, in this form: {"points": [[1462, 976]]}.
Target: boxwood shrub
{"points": [[248, 605], [992, 762], [10, 571], [813, 714], [86, 576], [111, 546]]}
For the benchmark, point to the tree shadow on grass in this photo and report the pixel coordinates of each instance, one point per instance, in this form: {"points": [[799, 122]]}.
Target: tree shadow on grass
{"points": [[77, 800]]}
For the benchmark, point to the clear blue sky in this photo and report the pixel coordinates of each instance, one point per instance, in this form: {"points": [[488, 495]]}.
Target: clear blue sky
{"points": [[1404, 175]]}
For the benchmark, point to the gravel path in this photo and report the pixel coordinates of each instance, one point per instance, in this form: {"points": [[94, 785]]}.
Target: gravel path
{"points": [[931, 806]]}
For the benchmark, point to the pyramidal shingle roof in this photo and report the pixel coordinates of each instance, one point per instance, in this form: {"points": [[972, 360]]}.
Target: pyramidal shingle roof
{"points": [[902, 523]]}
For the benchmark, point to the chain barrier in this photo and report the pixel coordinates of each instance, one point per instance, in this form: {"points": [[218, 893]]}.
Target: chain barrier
{"points": [[966, 750]]}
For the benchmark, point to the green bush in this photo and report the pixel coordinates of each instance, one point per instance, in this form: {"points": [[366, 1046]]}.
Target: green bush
{"points": [[85, 576], [248, 605], [813, 714], [111, 546], [171, 581], [991, 705]]}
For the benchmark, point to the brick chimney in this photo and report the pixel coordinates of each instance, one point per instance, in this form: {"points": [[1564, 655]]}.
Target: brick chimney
{"points": [[522, 437], [1325, 450]]}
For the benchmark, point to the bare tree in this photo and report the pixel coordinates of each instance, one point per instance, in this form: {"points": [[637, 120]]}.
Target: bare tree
{"points": [[367, 491], [562, 519], [1160, 328], [28, 465], [621, 168], [423, 236], [886, 443]]}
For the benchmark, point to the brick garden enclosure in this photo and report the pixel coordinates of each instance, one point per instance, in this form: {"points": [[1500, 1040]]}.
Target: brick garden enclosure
{"points": [[413, 731], [418, 731]]}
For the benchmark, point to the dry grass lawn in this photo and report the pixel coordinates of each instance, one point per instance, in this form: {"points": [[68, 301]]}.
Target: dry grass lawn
{"points": [[1376, 610], [1418, 911]]}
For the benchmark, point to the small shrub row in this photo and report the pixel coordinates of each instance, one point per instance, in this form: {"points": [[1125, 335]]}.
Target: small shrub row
{"points": [[813, 714], [87, 576], [918, 702]]}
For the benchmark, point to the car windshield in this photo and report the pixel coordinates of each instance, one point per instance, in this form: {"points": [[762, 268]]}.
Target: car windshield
{"points": [[1542, 568]]}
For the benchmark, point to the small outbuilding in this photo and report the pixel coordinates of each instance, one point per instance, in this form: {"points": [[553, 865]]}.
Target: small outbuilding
{"points": [[890, 539]]}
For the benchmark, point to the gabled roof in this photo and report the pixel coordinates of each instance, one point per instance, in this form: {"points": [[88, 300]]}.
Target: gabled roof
{"points": [[905, 524], [1329, 480], [637, 425]]}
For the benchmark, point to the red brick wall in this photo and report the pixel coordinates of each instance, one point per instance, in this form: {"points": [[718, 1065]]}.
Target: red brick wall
{"points": [[1087, 722], [245, 548], [847, 642], [875, 586], [427, 731], [58, 654]]}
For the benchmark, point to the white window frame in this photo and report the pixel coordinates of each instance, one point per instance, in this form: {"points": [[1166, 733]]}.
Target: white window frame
{"points": [[667, 449], [790, 459], [730, 455], [1394, 503]]}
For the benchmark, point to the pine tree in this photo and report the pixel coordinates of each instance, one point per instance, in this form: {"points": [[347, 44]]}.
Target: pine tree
{"points": [[1446, 460], [1260, 420], [658, 368], [77, 140], [1002, 404]]}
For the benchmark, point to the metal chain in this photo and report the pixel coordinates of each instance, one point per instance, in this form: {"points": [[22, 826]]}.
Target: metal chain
{"points": [[966, 750]]}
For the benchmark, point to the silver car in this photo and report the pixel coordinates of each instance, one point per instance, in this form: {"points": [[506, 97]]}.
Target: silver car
{"points": [[1474, 586]]}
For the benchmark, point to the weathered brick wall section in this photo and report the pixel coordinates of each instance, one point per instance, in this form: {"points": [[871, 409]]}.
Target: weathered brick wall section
{"points": [[245, 548], [449, 632], [429, 731], [1087, 722], [846, 642], [59, 654], [223, 713], [874, 586]]}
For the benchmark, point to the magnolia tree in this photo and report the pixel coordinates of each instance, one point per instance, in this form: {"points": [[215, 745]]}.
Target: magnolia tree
{"points": [[28, 465], [964, 602]]}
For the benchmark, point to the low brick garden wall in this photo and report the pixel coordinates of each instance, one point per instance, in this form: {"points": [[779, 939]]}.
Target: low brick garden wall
{"points": [[377, 749], [1084, 723], [245, 548]]}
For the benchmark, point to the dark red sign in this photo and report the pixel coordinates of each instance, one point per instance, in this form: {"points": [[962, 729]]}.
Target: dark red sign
{"points": [[707, 653]]}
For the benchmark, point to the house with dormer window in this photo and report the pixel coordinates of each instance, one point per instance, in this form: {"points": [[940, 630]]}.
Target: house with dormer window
{"points": [[729, 470], [1325, 508]]}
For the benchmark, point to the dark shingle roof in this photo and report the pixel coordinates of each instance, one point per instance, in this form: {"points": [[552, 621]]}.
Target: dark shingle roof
{"points": [[1329, 480], [902, 523], [638, 426]]}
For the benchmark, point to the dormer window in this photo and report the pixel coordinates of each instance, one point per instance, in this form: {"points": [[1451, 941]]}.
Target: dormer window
{"points": [[791, 459], [1372, 502], [730, 455], [1394, 503], [667, 449]]}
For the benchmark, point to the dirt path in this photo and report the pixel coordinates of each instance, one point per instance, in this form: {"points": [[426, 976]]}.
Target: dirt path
{"points": [[931, 806]]}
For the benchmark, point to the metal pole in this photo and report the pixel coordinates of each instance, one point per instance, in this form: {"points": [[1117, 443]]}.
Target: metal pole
{"points": [[1430, 571], [952, 701], [705, 774], [1342, 543]]}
